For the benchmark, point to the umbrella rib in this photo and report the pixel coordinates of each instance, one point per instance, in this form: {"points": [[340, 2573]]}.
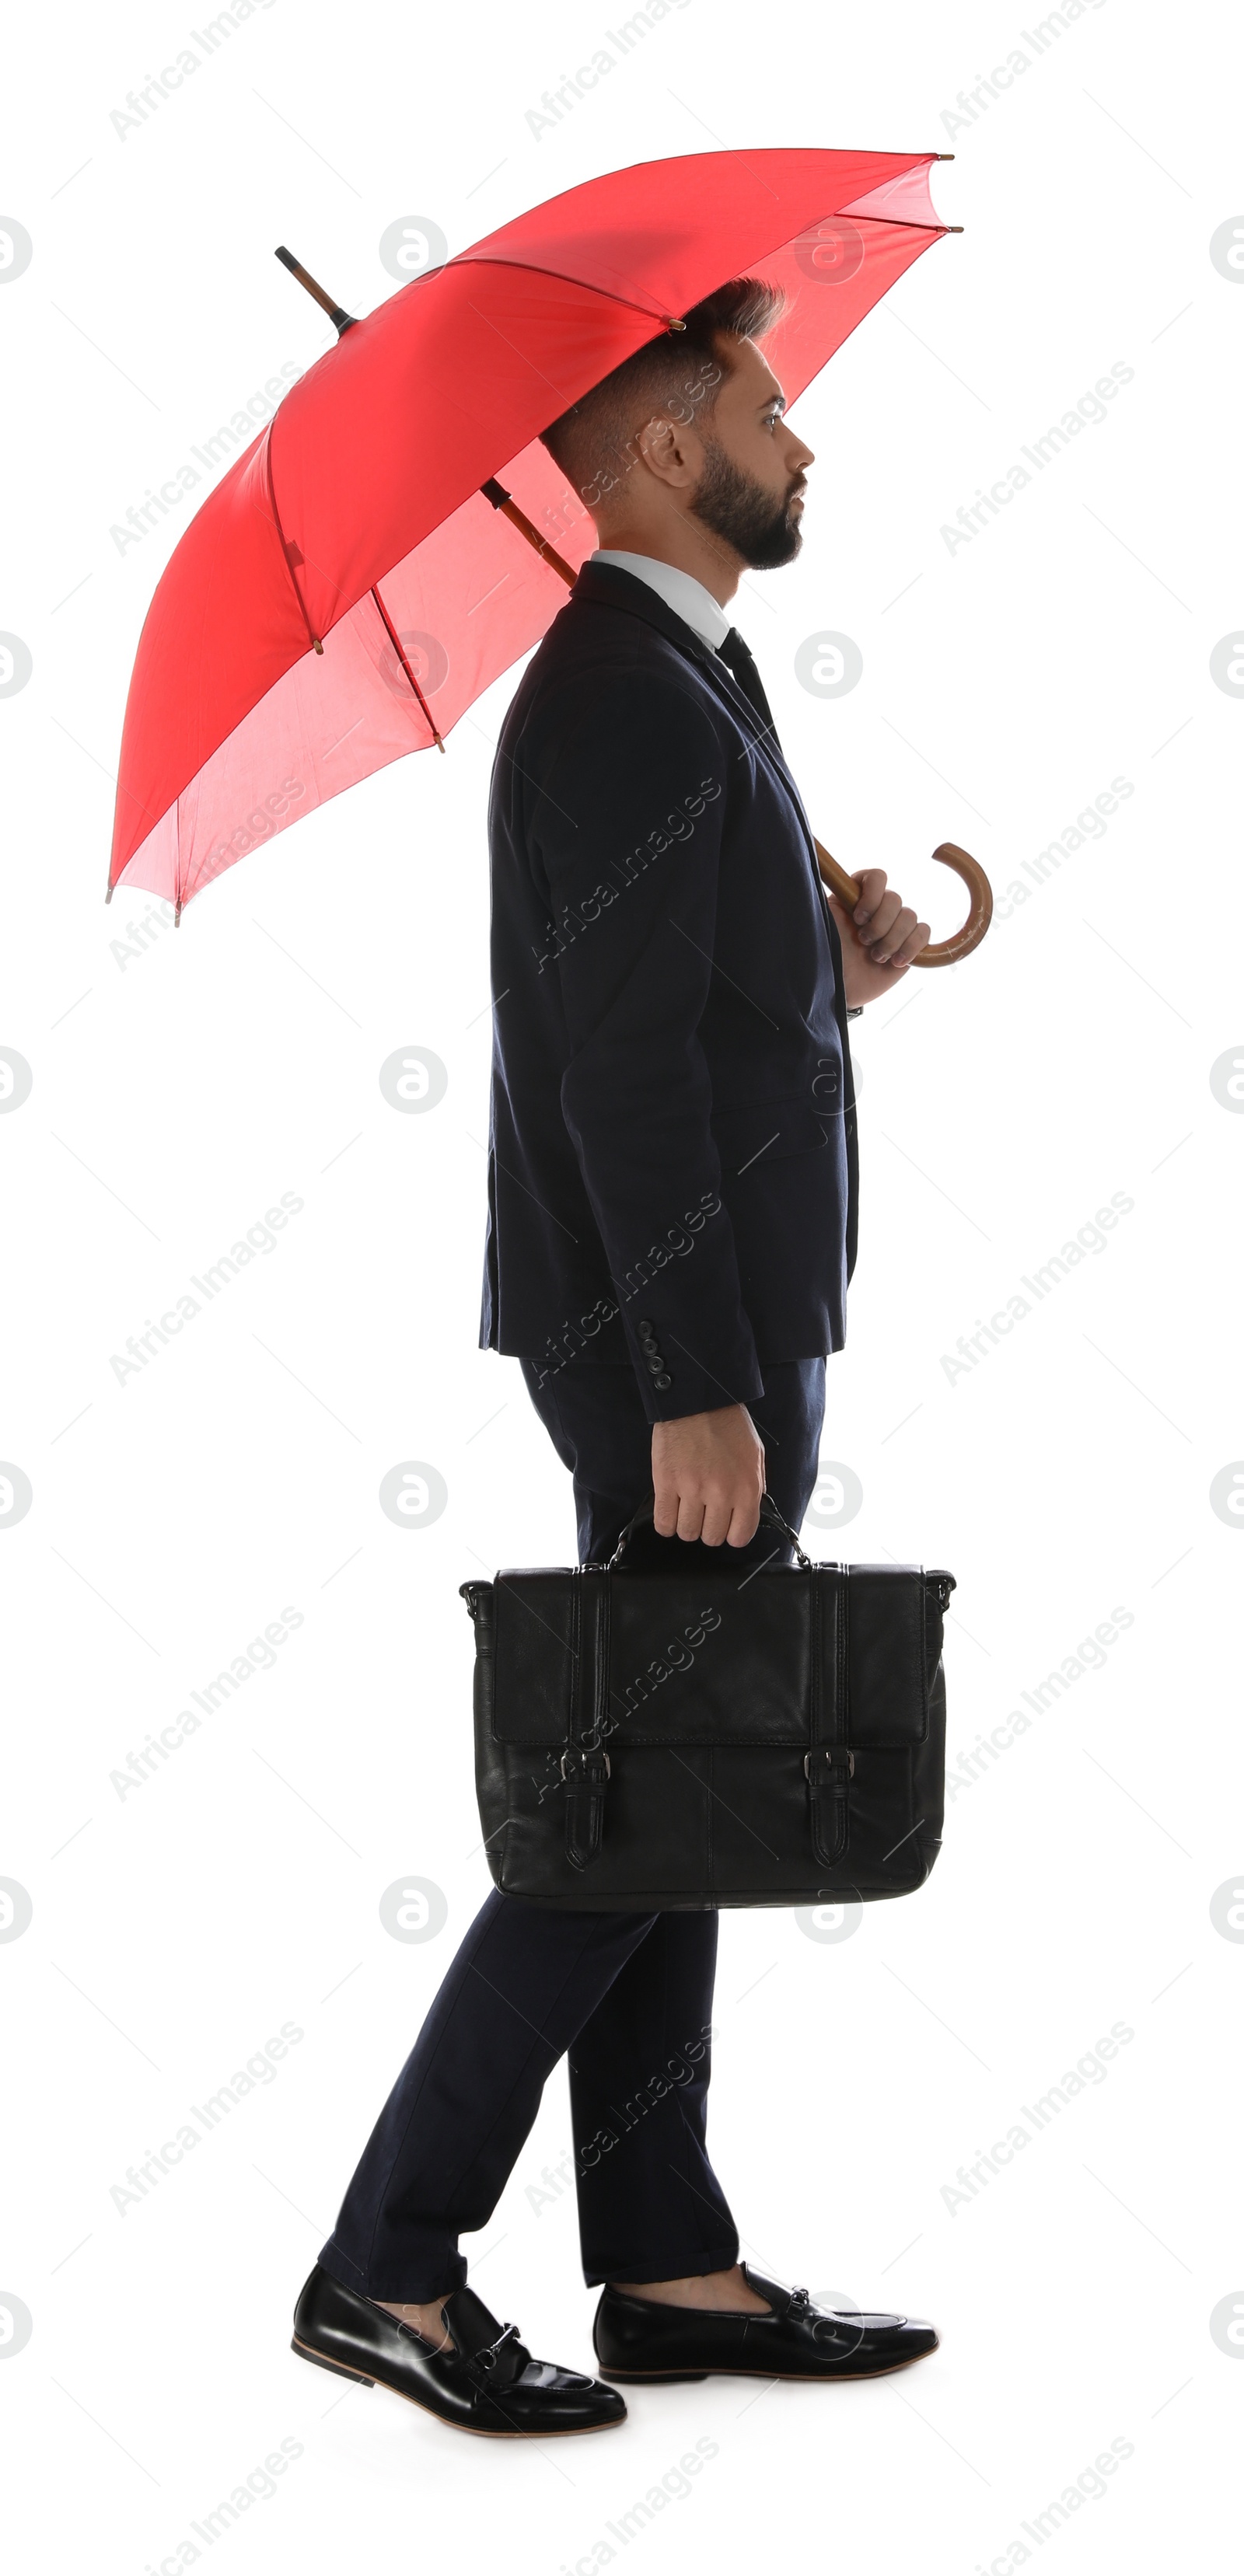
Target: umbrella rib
{"points": [[903, 224], [490, 259], [396, 642], [495, 259], [312, 639]]}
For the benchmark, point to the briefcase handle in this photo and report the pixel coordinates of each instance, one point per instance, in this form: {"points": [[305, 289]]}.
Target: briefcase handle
{"points": [[771, 1518]]}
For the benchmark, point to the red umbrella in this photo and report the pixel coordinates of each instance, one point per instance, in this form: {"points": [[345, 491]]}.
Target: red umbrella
{"points": [[359, 576]]}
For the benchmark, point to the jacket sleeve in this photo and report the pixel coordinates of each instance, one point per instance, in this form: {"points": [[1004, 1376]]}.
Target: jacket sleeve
{"points": [[625, 829]]}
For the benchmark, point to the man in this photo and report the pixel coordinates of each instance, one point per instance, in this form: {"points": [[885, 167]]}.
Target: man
{"points": [[672, 1226]]}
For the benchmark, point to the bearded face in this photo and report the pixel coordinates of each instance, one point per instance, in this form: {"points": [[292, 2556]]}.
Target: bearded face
{"points": [[737, 507]]}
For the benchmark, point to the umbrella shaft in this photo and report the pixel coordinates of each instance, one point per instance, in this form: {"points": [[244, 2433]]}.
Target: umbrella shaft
{"points": [[501, 500]]}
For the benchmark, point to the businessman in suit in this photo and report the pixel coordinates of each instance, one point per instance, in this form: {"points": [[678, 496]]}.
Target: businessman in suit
{"points": [[672, 1222]]}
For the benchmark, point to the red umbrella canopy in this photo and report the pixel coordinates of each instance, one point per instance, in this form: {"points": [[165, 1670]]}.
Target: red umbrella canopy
{"points": [[356, 524]]}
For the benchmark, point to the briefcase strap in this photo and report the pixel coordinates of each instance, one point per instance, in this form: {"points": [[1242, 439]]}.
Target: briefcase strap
{"points": [[829, 1763], [585, 1761]]}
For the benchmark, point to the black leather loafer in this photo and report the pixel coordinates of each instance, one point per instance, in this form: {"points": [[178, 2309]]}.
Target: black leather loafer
{"points": [[644, 2339], [487, 2384]]}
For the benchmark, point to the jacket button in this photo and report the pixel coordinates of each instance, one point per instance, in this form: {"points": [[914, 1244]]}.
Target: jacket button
{"points": [[663, 1381], [645, 1324]]}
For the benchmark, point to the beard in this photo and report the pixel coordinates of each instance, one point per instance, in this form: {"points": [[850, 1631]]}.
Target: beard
{"points": [[740, 510]]}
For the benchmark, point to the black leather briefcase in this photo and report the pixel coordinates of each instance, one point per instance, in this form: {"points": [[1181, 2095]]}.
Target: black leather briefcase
{"points": [[655, 1741]]}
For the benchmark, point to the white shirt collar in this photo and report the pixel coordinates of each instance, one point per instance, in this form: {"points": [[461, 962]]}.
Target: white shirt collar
{"points": [[680, 591]]}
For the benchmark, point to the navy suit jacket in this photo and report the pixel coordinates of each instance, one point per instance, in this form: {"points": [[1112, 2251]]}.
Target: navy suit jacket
{"points": [[672, 1164]]}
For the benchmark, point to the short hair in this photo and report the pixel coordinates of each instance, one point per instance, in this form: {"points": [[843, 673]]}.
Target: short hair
{"points": [[680, 374]]}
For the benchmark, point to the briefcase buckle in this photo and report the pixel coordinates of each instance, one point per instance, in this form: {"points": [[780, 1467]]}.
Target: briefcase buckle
{"points": [[585, 1755], [830, 1755]]}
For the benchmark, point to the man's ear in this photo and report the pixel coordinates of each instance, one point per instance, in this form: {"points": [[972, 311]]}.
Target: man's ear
{"points": [[665, 447]]}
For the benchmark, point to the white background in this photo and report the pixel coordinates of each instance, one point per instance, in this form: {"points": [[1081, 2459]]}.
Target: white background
{"points": [[179, 1092]]}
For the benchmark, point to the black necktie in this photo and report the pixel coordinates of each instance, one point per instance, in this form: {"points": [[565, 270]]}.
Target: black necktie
{"points": [[738, 659]]}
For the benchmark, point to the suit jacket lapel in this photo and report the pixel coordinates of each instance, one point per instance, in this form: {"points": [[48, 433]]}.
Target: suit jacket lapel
{"points": [[618, 589]]}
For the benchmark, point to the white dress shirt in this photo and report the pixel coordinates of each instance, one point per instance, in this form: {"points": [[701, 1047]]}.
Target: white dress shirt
{"points": [[680, 591]]}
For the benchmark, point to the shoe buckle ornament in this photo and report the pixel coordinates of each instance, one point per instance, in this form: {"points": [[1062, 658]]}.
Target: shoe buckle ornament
{"points": [[486, 2358]]}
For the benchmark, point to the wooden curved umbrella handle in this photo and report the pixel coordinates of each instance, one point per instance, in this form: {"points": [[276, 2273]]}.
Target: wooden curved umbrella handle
{"points": [[940, 952]]}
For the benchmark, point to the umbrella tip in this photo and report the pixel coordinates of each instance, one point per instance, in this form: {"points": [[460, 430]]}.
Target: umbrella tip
{"points": [[177, 914], [341, 320], [108, 896], [672, 323]]}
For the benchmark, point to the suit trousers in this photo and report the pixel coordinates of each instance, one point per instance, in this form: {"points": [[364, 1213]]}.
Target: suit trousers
{"points": [[626, 1997]]}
